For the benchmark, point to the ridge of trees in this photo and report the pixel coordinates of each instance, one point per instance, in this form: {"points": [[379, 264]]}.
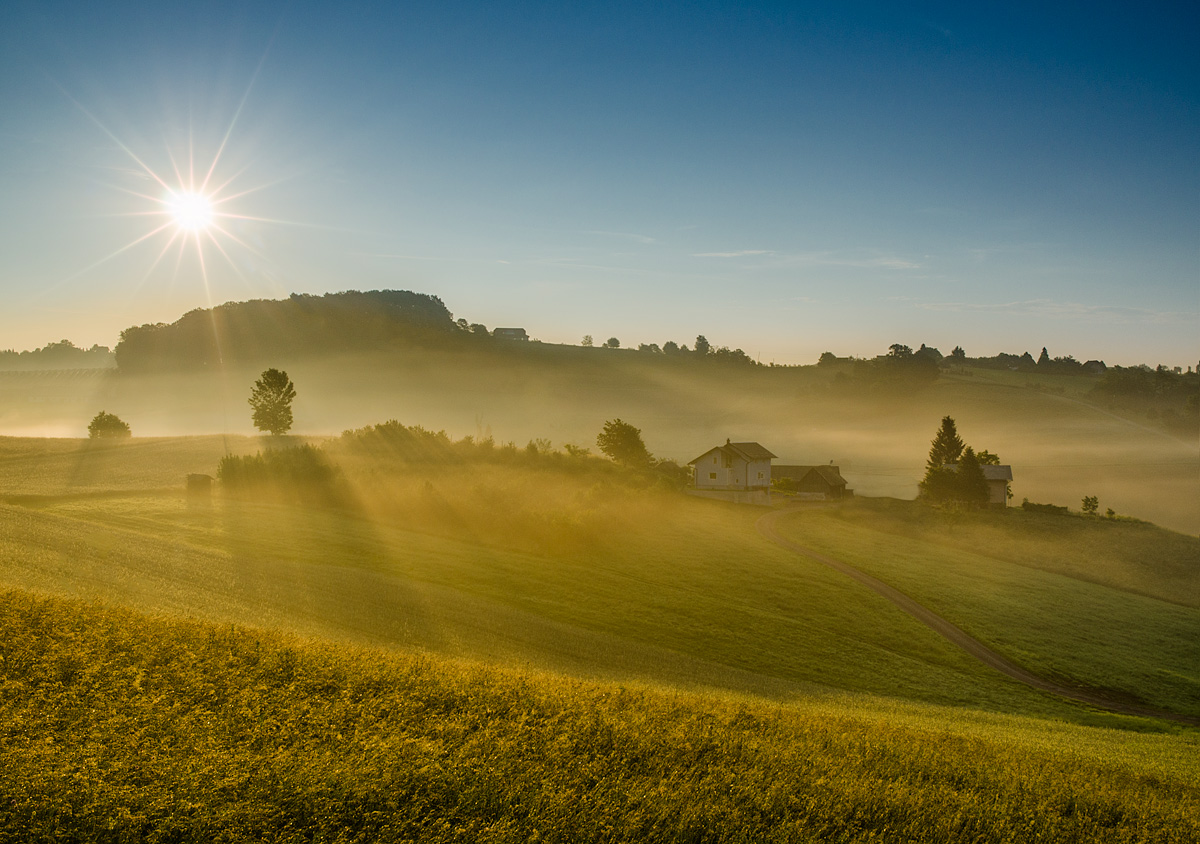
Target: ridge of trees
{"points": [[61, 355], [302, 324]]}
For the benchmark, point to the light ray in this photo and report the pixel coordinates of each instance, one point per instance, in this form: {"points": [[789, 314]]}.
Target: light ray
{"points": [[236, 115], [124, 248], [115, 139]]}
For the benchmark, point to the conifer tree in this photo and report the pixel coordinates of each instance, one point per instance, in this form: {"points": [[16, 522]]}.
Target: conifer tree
{"points": [[947, 445], [970, 485]]}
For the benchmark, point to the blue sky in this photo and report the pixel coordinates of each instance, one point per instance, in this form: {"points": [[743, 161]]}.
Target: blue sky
{"points": [[784, 178]]}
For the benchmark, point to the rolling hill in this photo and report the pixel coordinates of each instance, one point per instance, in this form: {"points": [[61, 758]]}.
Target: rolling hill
{"points": [[508, 644]]}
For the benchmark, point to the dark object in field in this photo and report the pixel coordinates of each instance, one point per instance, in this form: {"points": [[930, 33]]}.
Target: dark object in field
{"points": [[199, 487]]}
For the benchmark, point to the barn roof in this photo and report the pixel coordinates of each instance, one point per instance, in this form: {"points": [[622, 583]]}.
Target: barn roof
{"points": [[997, 473], [991, 473], [829, 473]]}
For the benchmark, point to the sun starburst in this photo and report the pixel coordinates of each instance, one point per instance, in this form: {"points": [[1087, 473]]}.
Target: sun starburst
{"points": [[193, 211]]}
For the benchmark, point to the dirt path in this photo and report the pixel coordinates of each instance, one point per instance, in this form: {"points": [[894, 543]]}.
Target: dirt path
{"points": [[953, 634]]}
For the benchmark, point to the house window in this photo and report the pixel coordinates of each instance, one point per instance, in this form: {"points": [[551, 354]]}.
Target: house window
{"points": [[712, 476], [760, 476], [714, 459]]}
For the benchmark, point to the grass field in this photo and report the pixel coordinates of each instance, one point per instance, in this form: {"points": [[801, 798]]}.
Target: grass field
{"points": [[1107, 604], [576, 571], [120, 727], [1061, 446], [537, 648]]}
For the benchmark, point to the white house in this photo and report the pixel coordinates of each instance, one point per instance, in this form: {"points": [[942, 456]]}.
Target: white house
{"points": [[733, 466]]}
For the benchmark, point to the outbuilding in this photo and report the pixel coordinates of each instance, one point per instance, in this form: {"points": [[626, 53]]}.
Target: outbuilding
{"points": [[823, 481]]}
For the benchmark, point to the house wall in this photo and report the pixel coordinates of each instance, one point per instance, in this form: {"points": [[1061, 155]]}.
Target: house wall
{"points": [[758, 474], [713, 463], [998, 493], [738, 474]]}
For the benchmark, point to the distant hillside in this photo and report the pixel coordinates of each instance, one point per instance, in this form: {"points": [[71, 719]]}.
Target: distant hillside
{"points": [[302, 324]]}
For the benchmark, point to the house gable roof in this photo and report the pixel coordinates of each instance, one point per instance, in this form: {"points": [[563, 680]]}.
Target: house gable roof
{"points": [[743, 451], [750, 451]]}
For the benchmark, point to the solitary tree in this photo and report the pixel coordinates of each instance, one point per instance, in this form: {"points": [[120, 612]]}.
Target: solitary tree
{"points": [[271, 401], [623, 443], [108, 425], [613, 343], [1091, 504], [587, 340]]}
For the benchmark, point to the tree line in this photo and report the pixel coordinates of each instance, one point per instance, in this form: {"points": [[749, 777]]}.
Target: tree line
{"points": [[61, 355]]}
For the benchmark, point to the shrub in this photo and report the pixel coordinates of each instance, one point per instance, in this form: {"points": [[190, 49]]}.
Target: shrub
{"points": [[1031, 507], [105, 425], [302, 473]]}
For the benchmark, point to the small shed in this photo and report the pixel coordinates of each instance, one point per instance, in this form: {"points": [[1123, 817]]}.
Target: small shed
{"points": [[825, 480], [998, 478], [510, 333]]}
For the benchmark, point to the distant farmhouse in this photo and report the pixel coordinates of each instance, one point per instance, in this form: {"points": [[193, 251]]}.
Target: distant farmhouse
{"points": [[510, 334], [817, 482], [735, 471]]}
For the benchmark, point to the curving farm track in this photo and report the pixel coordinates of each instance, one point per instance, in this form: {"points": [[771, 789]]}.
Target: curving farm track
{"points": [[955, 635]]}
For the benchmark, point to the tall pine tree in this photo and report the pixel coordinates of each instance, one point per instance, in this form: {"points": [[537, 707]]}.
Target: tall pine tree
{"points": [[947, 445]]}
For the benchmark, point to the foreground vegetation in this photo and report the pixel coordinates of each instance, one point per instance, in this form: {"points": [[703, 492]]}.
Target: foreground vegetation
{"points": [[121, 727]]}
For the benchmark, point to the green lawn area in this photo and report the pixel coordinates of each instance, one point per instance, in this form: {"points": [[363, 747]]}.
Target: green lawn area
{"points": [[1104, 604]]}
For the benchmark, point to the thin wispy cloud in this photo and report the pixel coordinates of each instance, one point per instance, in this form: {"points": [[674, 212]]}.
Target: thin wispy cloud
{"points": [[638, 238], [1048, 308], [833, 259]]}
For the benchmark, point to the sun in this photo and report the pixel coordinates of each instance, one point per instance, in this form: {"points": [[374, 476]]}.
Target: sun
{"points": [[191, 211]]}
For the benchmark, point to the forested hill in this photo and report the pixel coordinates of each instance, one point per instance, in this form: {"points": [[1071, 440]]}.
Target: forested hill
{"points": [[264, 329]]}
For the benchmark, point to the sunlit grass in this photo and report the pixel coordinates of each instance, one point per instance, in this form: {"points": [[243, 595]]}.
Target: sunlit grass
{"points": [[118, 726], [1015, 581]]}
